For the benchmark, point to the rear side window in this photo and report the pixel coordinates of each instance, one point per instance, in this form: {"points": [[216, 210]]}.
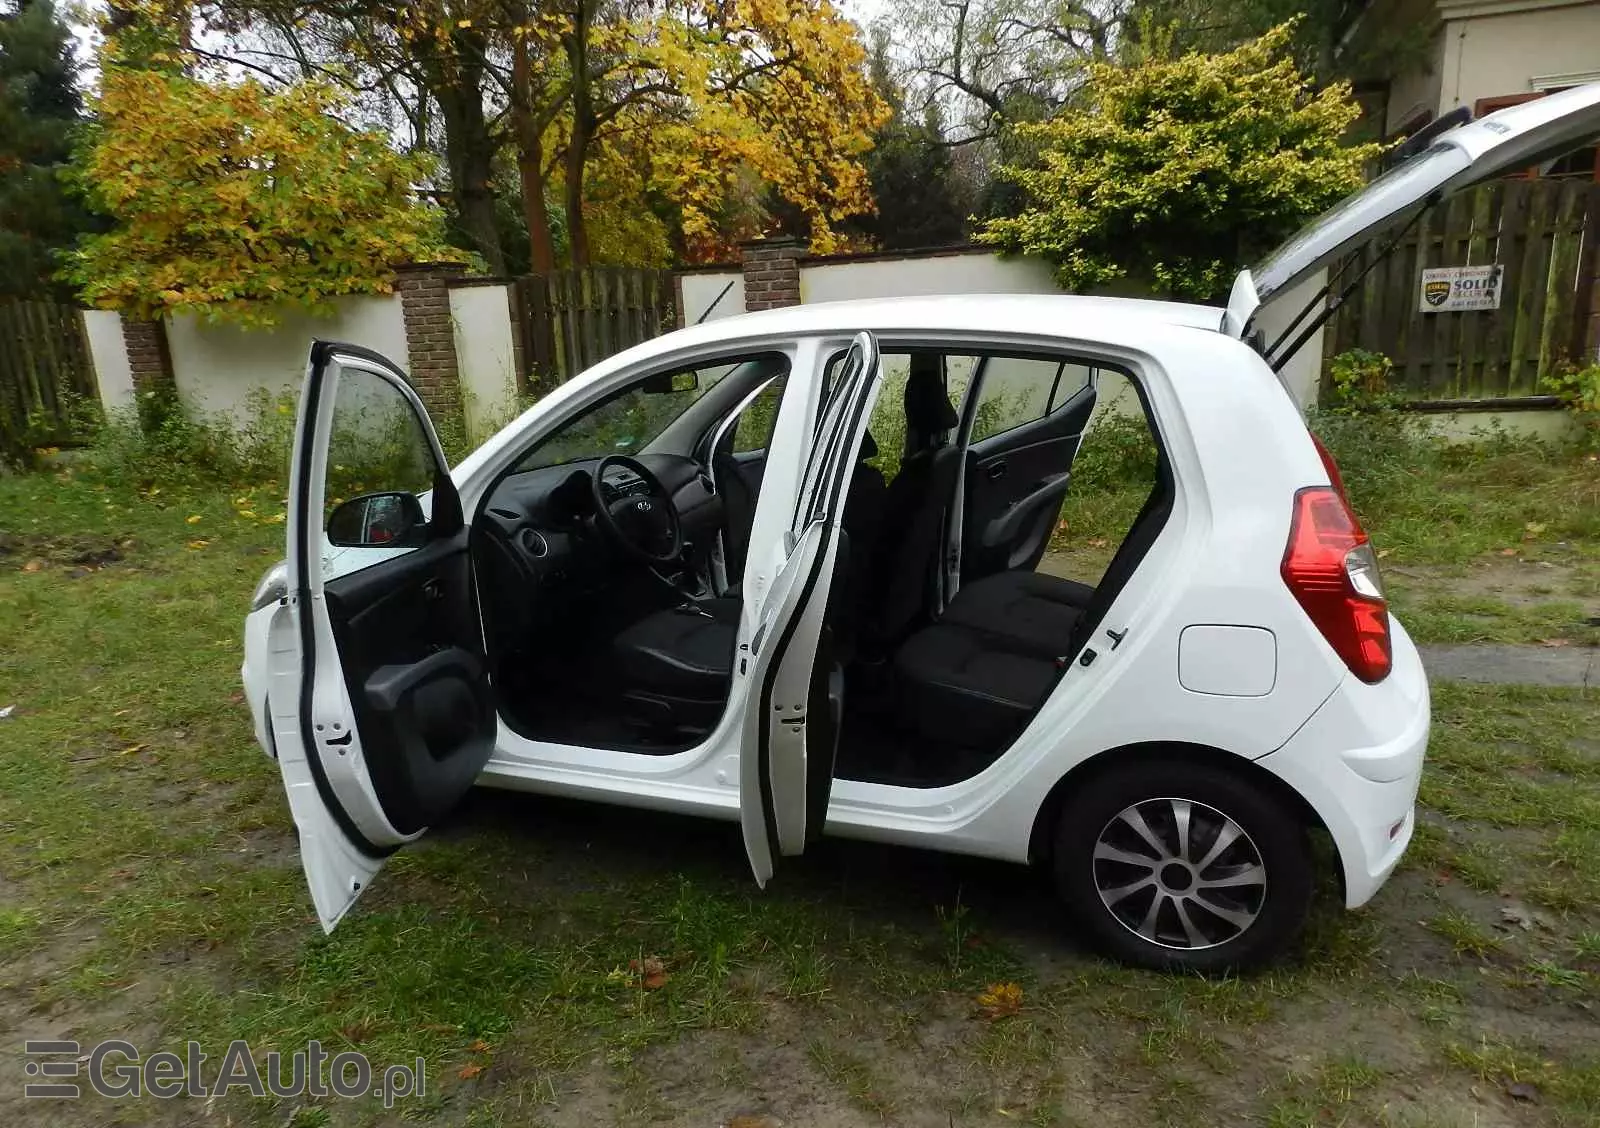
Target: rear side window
{"points": [[1018, 390]]}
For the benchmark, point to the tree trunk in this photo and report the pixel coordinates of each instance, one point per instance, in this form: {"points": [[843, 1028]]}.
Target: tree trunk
{"points": [[530, 161], [582, 130], [469, 152]]}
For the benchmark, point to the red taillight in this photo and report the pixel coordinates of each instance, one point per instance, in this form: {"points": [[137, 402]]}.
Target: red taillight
{"points": [[1330, 567], [1331, 467]]}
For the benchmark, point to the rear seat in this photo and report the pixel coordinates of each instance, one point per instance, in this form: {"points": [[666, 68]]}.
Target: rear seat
{"points": [[977, 676], [1037, 613]]}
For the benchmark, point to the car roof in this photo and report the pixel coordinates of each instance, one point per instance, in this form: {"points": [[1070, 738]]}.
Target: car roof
{"points": [[1057, 315]]}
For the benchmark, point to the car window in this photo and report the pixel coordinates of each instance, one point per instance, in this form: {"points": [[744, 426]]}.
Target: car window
{"points": [[1072, 379], [753, 430], [377, 450], [1015, 390], [629, 420]]}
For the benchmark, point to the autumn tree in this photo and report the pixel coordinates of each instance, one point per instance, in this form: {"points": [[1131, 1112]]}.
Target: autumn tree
{"points": [[1173, 172], [229, 198], [39, 111]]}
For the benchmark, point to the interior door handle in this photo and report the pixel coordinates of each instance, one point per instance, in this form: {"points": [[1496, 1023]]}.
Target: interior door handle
{"points": [[996, 471]]}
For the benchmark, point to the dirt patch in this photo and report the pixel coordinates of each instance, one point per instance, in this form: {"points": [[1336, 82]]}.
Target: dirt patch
{"points": [[1513, 581], [79, 552]]}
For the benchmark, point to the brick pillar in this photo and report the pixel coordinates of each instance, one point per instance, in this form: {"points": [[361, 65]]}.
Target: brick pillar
{"points": [[149, 358], [771, 272], [424, 290], [155, 392]]}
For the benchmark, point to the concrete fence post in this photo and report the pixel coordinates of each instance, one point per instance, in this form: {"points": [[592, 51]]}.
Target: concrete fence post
{"points": [[424, 290], [771, 272]]}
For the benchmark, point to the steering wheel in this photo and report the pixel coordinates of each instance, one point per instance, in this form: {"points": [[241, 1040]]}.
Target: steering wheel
{"points": [[645, 527]]}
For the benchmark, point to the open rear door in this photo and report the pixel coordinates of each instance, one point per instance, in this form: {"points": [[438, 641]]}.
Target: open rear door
{"points": [[381, 711], [796, 691]]}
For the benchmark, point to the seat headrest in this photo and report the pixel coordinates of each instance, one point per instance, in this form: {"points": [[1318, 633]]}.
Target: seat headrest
{"points": [[928, 410]]}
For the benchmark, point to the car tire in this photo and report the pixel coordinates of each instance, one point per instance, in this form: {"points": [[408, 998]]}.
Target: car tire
{"points": [[1235, 897]]}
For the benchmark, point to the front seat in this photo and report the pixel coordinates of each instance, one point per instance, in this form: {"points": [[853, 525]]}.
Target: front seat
{"points": [[902, 566], [675, 665]]}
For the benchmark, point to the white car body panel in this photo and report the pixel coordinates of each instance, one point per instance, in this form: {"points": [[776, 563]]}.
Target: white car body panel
{"points": [[1238, 450]]}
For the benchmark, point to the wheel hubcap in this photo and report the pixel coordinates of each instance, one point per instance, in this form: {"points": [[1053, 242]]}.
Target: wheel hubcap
{"points": [[1179, 873]]}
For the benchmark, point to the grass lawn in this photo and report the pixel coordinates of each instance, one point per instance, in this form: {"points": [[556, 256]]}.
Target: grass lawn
{"points": [[150, 889]]}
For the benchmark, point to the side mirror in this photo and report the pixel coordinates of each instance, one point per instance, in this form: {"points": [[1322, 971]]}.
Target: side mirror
{"points": [[377, 520]]}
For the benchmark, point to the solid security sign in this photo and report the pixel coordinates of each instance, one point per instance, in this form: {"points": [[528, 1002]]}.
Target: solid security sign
{"points": [[1448, 289]]}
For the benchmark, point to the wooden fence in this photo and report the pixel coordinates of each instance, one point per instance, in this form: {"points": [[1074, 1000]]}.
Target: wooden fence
{"points": [[571, 319], [45, 375], [1544, 233]]}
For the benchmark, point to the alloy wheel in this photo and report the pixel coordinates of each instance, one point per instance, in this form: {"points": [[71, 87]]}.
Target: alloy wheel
{"points": [[1179, 873]]}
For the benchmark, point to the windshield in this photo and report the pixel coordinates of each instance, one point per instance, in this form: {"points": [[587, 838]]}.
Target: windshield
{"points": [[628, 421]]}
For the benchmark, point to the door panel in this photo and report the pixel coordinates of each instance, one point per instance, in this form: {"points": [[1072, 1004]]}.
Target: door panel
{"points": [[789, 742], [1014, 485], [380, 645], [416, 678]]}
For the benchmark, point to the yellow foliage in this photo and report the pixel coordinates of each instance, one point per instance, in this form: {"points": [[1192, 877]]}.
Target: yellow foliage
{"points": [[229, 199]]}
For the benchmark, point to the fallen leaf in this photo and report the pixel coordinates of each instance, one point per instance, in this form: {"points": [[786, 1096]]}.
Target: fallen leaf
{"points": [[469, 1071], [132, 748], [1555, 642], [650, 972], [358, 1031], [33, 565], [1098, 542], [193, 520], [479, 1047], [198, 544], [1523, 1091], [1508, 552], [999, 1000], [1382, 552], [751, 1120]]}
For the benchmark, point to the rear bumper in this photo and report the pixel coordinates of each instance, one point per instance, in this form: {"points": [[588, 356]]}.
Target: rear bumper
{"points": [[1358, 763]]}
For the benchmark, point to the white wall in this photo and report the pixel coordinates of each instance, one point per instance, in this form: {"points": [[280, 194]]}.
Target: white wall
{"points": [[701, 289], [217, 367], [108, 352], [969, 272], [480, 317], [1546, 45]]}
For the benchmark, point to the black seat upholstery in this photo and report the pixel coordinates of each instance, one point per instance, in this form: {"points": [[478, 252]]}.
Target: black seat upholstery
{"points": [[901, 569], [1035, 613], [680, 654], [957, 685]]}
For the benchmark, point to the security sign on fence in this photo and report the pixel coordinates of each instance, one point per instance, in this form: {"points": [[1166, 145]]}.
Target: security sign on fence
{"points": [[1451, 289]]}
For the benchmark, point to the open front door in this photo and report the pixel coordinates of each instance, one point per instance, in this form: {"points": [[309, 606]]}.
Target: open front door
{"points": [[796, 689], [381, 711]]}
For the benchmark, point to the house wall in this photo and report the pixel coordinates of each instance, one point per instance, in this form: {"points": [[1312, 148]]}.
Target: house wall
{"points": [[218, 367], [961, 272], [480, 318], [1489, 52], [1417, 91]]}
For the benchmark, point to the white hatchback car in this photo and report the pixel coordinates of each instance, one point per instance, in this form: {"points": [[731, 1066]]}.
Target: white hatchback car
{"points": [[678, 583]]}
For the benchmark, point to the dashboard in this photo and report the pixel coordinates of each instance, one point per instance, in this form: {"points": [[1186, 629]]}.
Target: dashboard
{"points": [[542, 519]]}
